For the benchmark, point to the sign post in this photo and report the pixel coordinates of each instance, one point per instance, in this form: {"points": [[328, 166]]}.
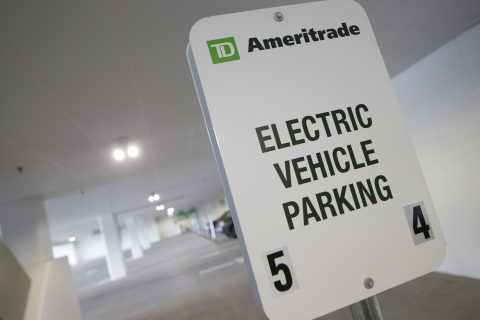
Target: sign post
{"points": [[315, 158], [367, 309]]}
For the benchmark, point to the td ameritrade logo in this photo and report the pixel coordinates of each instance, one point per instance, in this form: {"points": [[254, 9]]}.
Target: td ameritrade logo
{"points": [[223, 50]]}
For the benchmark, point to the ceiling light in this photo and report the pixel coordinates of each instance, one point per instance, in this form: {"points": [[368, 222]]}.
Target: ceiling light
{"points": [[160, 207], [118, 154], [154, 197], [71, 239], [170, 211], [132, 151]]}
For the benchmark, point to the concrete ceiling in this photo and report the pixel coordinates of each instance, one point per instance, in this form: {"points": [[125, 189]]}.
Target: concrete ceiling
{"points": [[75, 76]]}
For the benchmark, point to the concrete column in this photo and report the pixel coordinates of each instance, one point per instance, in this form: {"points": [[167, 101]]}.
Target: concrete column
{"points": [[113, 250], [225, 204], [200, 221], [204, 222], [142, 234], [25, 231], [131, 228], [126, 243], [210, 222], [52, 294], [197, 223], [152, 230]]}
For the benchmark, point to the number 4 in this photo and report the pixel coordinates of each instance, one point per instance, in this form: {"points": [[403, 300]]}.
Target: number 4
{"points": [[424, 227]]}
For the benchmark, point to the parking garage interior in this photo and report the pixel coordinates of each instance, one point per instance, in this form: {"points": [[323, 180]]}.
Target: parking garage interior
{"points": [[111, 202]]}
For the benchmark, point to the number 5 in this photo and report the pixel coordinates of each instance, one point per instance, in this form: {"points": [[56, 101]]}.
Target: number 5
{"points": [[274, 269]]}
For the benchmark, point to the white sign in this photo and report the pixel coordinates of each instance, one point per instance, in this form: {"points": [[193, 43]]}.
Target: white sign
{"points": [[321, 176]]}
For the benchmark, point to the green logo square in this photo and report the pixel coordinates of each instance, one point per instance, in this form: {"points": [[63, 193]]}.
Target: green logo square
{"points": [[223, 50]]}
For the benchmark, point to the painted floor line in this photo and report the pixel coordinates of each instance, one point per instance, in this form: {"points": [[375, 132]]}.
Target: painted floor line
{"points": [[239, 260], [218, 252], [220, 266], [103, 281], [90, 272], [215, 253]]}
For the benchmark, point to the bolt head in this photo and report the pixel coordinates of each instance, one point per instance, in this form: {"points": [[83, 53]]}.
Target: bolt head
{"points": [[369, 283], [278, 16]]}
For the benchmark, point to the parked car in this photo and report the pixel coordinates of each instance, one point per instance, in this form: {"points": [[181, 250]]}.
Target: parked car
{"points": [[224, 224]]}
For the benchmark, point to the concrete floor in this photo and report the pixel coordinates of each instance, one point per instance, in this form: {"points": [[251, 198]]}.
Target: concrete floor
{"points": [[189, 277]]}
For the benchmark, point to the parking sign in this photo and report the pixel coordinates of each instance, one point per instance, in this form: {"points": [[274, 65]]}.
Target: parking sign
{"points": [[321, 176]]}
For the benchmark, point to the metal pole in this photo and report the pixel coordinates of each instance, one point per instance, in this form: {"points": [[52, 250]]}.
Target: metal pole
{"points": [[367, 309]]}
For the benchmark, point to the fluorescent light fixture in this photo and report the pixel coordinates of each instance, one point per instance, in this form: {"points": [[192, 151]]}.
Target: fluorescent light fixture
{"points": [[156, 197], [72, 239], [118, 154], [160, 207], [132, 151]]}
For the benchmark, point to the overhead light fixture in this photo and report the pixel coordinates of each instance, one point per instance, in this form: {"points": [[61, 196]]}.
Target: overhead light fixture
{"points": [[170, 212], [132, 151], [72, 239], [118, 154], [124, 148], [154, 197], [160, 207]]}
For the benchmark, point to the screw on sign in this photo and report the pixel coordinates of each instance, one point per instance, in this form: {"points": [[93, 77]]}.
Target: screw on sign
{"points": [[278, 16], [369, 283]]}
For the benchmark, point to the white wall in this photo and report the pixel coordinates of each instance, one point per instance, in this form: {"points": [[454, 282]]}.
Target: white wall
{"points": [[151, 229], [66, 250], [168, 228], [440, 100], [187, 224], [218, 208], [91, 248]]}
